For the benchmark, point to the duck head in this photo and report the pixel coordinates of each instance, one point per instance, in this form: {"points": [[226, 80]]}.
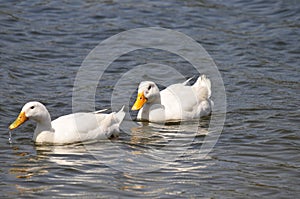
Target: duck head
{"points": [[31, 110], [148, 92]]}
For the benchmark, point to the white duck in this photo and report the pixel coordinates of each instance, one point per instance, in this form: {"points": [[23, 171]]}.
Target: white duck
{"points": [[175, 103], [77, 127]]}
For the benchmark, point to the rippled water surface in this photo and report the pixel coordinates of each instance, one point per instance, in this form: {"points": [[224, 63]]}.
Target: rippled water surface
{"points": [[255, 45]]}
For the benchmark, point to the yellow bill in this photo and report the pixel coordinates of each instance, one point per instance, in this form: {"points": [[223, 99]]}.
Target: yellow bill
{"points": [[139, 102], [20, 120]]}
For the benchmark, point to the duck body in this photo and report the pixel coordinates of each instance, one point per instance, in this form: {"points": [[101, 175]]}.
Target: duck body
{"points": [[175, 103], [76, 127]]}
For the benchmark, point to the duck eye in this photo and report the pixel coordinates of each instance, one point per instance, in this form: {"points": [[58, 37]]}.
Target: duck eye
{"points": [[149, 87], [32, 107]]}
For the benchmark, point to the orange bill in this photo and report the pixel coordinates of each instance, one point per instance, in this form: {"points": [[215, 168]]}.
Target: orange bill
{"points": [[20, 120], [139, 102]]}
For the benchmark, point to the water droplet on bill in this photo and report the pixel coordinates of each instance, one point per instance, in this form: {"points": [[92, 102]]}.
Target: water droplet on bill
{"points": [[9, 138]]}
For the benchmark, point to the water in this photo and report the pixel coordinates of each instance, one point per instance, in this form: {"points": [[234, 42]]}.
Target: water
{"points": [[256, 48]]}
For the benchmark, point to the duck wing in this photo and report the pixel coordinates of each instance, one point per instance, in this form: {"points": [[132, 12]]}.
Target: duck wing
{"points": [[186, 102], [86, 126], [179, 101]]}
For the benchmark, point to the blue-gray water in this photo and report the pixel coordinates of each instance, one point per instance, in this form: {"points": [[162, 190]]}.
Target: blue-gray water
{"points": [[255, 45]]}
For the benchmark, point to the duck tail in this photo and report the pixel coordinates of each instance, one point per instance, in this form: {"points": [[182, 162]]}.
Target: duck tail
{"points": [[120, 115], [203, 85], [114, 118], [112, 123]]}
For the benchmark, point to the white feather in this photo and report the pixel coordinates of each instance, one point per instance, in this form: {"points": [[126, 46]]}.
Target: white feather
{"points": [[76, 127], [176, 102]]}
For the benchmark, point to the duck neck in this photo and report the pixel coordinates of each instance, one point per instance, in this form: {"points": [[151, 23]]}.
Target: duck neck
{"points": [[156, 99], [44, 128]]}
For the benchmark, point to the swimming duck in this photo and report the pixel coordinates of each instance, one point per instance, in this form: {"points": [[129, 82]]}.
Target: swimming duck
{"points": [[175, 103], [76, 127]]}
